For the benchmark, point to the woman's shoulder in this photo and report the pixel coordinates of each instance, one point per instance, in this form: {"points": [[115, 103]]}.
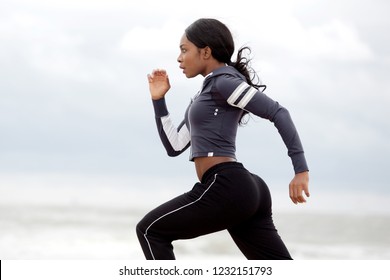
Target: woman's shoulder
{"points": [[223, 80], [225, 72], [226, 78]]}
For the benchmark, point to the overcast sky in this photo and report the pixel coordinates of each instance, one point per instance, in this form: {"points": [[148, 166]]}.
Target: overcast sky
{"points": [[74, 95]]}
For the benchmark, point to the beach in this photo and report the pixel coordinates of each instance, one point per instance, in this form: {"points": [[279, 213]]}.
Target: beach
{"points": [[97, 221]]}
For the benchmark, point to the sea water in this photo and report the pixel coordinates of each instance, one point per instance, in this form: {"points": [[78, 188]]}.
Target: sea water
{"points": [[54, 217]]}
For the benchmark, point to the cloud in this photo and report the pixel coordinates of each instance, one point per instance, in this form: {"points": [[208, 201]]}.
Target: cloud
{"points": [[40, 45], [336, 40], [159, 39], [73, 79], [333, 39]]}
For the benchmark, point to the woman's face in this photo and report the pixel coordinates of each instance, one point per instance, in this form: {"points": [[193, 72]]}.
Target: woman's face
{"points": [[191, 58]]}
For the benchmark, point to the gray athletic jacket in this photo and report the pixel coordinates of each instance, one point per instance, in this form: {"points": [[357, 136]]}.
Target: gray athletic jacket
{"points": [[212, 118]]}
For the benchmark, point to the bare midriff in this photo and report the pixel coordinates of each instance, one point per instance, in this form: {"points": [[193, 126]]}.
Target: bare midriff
{"points": [[202, 164]]}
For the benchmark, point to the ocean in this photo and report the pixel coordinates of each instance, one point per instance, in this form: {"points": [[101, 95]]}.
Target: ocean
{"points": [[54, 217]]}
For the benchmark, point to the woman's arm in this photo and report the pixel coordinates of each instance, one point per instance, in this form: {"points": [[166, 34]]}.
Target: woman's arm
{"points": [[239, 94], [175, 140]]}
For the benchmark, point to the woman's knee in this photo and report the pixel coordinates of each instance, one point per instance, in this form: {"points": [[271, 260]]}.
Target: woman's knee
{"points": [[141, 228]]}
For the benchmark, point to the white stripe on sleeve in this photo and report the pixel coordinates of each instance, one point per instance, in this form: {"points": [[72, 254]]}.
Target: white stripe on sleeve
{"points": [[248, 96], [236, 93], [178, 139]]}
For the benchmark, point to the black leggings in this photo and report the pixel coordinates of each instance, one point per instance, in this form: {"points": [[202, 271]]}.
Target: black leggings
{"points": [[228, 197]]}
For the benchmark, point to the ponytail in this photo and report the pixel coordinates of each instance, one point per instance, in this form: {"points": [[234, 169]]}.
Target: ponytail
{"points": [[242, 64]]}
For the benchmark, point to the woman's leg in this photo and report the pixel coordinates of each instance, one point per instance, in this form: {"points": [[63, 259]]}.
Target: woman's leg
{"points": [[229, 198], [205, 209]]}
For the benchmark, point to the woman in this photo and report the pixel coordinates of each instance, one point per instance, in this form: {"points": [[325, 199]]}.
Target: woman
{"points": [[228, 196]]}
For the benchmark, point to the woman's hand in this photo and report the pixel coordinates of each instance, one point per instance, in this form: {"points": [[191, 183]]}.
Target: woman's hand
{"points": [[298, 185], [158, 83]]}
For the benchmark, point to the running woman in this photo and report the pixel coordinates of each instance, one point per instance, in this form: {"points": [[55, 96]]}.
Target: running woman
{"points": [[227, 195]]}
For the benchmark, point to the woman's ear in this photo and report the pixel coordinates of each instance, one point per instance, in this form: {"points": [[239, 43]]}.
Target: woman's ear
{"points": [[206, 51]]}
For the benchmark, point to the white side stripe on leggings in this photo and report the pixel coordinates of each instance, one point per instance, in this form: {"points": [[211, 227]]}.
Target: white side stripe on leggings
{"points": [[173, 211]]}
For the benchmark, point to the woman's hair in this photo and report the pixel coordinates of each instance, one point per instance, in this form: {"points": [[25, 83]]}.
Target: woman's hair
{"points": [[212, 33]]}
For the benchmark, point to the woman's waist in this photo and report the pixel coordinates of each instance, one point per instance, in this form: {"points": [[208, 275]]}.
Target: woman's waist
{"points": [[205, 164]]}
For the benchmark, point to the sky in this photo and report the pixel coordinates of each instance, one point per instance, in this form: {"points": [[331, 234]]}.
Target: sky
{"points": [[74, 96]]}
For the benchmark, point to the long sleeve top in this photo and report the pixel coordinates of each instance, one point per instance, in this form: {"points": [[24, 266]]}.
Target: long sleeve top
{"points": [[212, 118]]}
